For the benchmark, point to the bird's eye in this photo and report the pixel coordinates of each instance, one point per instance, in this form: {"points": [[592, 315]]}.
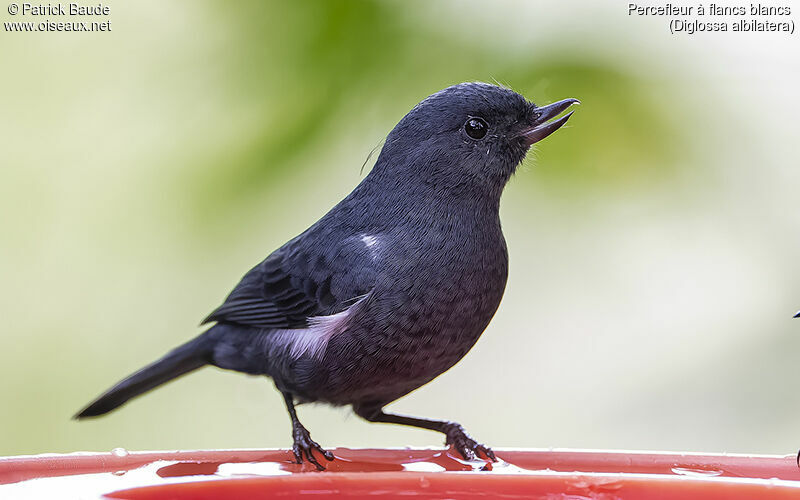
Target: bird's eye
{"points": [[476, 128]]}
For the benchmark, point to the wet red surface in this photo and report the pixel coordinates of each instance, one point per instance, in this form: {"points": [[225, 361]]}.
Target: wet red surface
{"points": [[463, 487], [421, 473]]}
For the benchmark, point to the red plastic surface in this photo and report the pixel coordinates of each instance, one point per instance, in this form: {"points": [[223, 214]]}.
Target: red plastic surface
{"points": [[426, 473]]}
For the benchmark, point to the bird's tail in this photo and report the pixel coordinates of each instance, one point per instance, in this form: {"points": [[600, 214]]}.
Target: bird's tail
{"points": [[181, 360]]}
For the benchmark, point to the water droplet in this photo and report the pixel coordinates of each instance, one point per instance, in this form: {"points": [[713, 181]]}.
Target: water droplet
{"points": [[120, 452], [423, 467]]}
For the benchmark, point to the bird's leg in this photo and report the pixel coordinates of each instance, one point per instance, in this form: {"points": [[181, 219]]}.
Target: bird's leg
{"points": [[455, 434], [303, 444]]}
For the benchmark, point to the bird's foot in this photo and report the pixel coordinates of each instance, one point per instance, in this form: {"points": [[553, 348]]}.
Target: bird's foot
{"points": [[464, 444], [304, 446]]}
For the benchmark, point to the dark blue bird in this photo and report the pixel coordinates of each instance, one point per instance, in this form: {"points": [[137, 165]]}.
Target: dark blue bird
{"points": [[391, 287]]}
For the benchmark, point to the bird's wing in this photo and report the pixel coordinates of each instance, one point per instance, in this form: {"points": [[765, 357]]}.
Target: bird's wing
{"points": [[301, 280]]}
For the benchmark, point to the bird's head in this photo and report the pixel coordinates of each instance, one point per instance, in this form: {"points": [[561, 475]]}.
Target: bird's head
{"points": [[468, 137]]}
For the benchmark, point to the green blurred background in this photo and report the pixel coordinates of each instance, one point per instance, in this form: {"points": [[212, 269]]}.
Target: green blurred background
{"points": [[654, 241]]}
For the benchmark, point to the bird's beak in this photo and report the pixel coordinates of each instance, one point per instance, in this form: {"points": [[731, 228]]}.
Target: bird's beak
{"points": [[541, 127]]}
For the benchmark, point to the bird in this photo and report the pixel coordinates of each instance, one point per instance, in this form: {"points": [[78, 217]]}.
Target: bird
{"points": [[392, 286]]}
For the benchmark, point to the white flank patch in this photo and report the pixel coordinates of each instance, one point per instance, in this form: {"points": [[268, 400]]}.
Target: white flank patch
{"points": [[313, 340]]}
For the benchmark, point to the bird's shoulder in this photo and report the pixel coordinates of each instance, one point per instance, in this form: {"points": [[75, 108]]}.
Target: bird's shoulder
{"points": [[321, 272]]}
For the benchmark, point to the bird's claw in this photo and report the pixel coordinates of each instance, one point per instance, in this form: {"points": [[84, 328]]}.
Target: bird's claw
{"points": [[304, 447], [465, 445]]}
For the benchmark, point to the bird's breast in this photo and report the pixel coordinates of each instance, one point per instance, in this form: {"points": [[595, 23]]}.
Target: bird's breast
{"points": [[437, 298], [437, 287]]}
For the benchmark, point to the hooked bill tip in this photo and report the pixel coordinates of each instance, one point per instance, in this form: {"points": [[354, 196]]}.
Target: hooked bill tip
{"points": [[542, 127]]}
